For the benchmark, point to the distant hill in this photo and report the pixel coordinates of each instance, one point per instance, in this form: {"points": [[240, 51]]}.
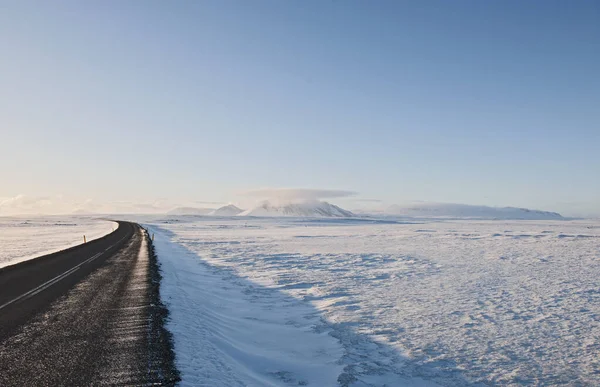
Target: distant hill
{"points": [[190, 211], [306, 209], [229, 210], [449, 210]]}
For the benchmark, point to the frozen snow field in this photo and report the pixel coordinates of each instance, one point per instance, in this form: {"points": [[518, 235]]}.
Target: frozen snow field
{"points": [[283, 302], [23, 238]]}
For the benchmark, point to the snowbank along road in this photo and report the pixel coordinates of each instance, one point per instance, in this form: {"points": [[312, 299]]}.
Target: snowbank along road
{"points": [[87, 315]]}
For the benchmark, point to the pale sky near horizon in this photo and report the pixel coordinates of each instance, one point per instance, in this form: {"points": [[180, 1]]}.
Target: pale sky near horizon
{"points": [[478, 102]]}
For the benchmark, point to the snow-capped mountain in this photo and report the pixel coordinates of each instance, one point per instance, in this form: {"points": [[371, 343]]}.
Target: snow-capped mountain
{"points": [[305, 209], [190, 211], [229, 210], [450, 210]]}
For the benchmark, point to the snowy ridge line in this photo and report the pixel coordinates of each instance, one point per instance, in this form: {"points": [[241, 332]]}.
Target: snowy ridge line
{"points": [[228, 210], [468, 211], [301, 209]]}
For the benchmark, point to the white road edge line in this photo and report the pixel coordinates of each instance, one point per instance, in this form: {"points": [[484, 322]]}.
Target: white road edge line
{"points": [[56, 279]]}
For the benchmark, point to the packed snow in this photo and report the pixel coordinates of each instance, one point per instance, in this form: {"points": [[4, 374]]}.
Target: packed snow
{"points": [[24, 238], [351, 302]]}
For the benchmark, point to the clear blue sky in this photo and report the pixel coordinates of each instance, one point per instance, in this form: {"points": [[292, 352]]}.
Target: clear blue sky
{"points": [[482, 102]]}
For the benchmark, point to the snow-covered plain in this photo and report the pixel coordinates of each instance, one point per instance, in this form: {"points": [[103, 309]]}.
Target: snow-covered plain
{"points": [[365, 303], [24, 238]]}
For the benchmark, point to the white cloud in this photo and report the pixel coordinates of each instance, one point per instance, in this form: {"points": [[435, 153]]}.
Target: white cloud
{"points": [[209, 203], [368, 200], [293, 194]]}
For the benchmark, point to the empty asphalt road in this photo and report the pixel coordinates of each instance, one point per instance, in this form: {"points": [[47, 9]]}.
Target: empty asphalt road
{"points": [[89, 315]]}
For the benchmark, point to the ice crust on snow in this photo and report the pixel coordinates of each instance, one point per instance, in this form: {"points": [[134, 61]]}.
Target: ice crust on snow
{"points": [[311, 208], [344, 302]]}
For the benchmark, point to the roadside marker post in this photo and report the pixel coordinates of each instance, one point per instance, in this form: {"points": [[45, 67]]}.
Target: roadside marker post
{"points": [[84, 241]]}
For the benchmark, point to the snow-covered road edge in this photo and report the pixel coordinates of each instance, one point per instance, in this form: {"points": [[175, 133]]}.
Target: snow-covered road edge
{"points": [[228, 333], [160, 339]]}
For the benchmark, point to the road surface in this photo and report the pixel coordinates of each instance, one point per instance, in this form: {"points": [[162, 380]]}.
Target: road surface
{"points": [[89, 315]]}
